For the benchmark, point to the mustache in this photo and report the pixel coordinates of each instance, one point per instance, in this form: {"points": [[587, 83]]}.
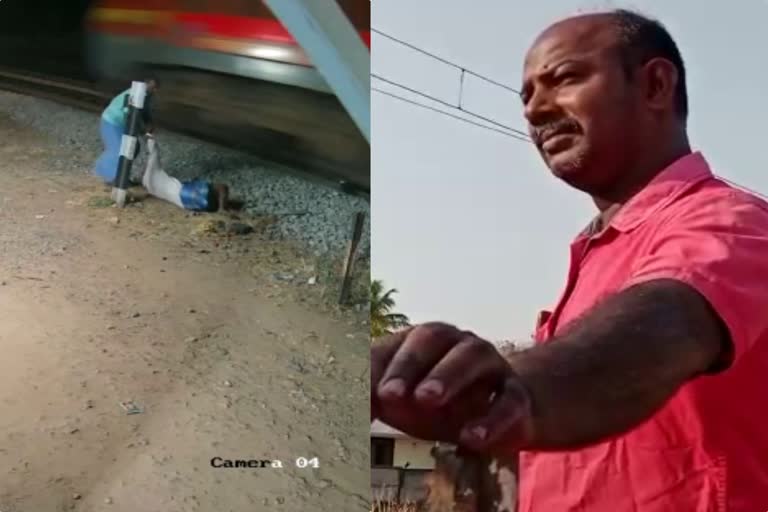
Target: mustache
{"points": [[541, 132]]}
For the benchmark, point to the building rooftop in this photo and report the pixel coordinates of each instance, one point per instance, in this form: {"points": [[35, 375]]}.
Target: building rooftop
{"points": [[379, 429]]}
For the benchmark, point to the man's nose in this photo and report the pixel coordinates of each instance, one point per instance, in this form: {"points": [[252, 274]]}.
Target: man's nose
{"points": [[540, 108]]}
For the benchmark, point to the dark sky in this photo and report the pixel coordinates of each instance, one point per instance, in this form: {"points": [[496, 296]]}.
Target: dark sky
{"points": [[41, 16]]}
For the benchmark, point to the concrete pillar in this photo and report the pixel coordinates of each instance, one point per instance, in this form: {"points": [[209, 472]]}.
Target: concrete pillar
{"points": [[335, 48]]}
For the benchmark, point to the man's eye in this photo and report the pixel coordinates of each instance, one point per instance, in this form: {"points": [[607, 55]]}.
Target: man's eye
{"points": [[566, 76]]}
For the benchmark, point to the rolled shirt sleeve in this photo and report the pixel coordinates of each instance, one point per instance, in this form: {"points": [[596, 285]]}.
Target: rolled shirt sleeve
{"points": [[718, 246]]}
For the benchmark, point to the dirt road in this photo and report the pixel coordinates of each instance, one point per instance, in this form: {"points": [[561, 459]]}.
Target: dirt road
{"points": [[223, 357]]}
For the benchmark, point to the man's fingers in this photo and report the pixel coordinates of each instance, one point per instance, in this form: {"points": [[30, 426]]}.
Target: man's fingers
{"points": [[469, 361], [382, 352], [507, 421], [440, 424], [422, 349]]}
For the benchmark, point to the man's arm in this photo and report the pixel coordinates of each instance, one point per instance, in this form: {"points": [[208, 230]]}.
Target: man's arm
{"points": [[619, 363], [695, 302]]}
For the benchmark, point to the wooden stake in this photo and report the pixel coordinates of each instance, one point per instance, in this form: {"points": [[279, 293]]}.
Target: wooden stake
{"points": [[346, 280]]}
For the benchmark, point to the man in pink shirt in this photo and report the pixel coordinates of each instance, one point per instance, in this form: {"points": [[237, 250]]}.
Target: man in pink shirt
{"points": [[646, 390]]}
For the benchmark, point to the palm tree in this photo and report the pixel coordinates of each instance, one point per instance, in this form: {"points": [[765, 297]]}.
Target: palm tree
{"points": [[383, 320]]}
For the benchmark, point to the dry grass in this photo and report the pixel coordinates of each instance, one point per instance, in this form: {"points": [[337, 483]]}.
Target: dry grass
{"points": [[391, 506]]}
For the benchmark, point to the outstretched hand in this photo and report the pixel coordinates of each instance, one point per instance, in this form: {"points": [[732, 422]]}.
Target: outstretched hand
{"points": [[436, 382]]}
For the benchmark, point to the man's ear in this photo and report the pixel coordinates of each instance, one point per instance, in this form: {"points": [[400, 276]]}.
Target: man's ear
{"points": [[659, 79]]}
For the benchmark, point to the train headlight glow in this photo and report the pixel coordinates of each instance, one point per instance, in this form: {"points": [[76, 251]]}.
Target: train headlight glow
{"points": [[271, 53]]}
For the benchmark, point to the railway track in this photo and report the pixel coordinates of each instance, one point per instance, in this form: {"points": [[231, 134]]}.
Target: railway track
{"points": [[184, 107]]}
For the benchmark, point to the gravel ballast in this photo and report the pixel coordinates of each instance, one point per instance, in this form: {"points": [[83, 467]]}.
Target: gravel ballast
{"points": [[315, 215]]}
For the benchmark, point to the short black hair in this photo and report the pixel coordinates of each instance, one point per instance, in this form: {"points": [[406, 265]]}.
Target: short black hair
{"points": [[641, 39]]}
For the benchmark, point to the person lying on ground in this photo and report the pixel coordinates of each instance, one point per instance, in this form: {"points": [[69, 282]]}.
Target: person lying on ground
{"points": [[196, 195]]}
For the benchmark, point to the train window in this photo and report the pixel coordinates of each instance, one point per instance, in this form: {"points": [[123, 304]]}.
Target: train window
{"points": [[255, 8], [195, 5], [359, 13], [213, 6]]}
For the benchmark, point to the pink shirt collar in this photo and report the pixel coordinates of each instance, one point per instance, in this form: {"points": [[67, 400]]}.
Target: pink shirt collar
{"points": [[667, 186]]}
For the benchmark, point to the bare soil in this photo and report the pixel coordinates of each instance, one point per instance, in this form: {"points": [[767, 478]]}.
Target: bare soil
{"points": [[220, 340]]}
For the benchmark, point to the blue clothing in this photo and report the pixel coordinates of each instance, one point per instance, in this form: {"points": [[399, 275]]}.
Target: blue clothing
{"points": [[106, 165], [194, 195], [116, 112], [113, 121]]}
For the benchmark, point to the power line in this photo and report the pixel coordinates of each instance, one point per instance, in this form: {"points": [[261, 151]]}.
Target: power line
{"points": [[515, 133], [414, 91], [450, 105], [414, 47], [459, 105], [518, 137], [443, 112], [445, 61]]}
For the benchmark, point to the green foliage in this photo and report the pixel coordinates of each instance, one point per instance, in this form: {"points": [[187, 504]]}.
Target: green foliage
{"points": [[384, 320]]}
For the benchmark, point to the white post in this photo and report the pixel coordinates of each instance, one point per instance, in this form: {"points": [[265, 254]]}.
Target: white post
{"points": [[128, 143]]}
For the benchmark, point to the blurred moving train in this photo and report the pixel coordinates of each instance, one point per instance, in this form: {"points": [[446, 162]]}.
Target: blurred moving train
{"points": [[234, 65]]}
